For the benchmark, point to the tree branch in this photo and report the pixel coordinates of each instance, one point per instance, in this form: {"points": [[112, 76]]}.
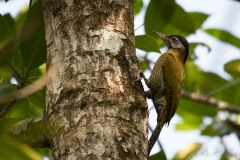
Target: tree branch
{"points": [[211, 101], [35, 132], [224, 87], [6, 108]]}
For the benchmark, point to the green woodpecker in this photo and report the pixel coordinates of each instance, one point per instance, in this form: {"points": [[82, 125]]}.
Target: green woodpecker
{"points": [[166, 81]]}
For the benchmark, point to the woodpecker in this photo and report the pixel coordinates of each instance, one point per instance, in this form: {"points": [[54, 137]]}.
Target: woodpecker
{"points": [[166, 81]]}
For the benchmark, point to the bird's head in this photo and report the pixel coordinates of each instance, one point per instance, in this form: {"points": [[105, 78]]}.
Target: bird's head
{"points": [[175, 42]]}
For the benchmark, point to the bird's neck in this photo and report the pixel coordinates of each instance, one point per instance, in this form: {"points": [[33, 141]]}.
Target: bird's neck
{"points": [[179, 54]]}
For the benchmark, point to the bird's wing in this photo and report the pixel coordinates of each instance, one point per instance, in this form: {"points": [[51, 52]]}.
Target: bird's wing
{"points": [[173, 77]]}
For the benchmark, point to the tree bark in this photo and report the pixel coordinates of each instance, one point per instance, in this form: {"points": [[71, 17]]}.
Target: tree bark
{"points": [[95, 93]]}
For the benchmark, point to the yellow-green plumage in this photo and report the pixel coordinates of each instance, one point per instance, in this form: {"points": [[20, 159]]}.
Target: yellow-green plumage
{"points": [[166, 82]]}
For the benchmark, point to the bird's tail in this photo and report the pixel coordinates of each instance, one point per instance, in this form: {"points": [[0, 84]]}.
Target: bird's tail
{"points": [[155, 134]]}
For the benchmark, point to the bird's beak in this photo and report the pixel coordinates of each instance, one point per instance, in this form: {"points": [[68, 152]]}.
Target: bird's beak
{"points": [[165, 38]]}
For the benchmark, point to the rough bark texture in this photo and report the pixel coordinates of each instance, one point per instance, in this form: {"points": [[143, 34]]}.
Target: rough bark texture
{"points": [[94, 94]]}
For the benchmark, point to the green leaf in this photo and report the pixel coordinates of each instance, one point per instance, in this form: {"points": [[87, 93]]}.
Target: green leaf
{"points": [[233, 126], [5, 73], [224, 156], [193, 114], [31, 106], [224, 36], [230, 94], [11, 149], [7, 52], [17, 63], [8, 44], [147, 43], [6, 123], [179, 26], [196, 109], [222, 129], [198, 18], [19, 21], [143, 65], [158, 14], [37, 73], [7, 29], [195, 79], [160, 155], [188, 153], [6, 91], [37, 103], [166, 16], [44, 151], [229, 91], [32, 43], [187, 125], [138, 4], [190, 121], [209, 131], [8, 88], [33, 2], [20, 109], [233, 68]]}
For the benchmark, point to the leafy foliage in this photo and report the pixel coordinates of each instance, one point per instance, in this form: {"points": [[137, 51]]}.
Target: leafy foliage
{"points": [[32, 39], [23, 56], [233, 68], [224, 36], [166, 16], [21, 151], [138, 4], [147, 43], [189, 152], [160, 155]]}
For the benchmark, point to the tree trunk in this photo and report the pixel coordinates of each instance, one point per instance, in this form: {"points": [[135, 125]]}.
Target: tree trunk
{"points": [[95, 94]]}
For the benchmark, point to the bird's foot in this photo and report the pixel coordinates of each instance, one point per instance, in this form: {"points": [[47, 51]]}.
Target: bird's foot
{"points": [[147, 82], [147, 94]]}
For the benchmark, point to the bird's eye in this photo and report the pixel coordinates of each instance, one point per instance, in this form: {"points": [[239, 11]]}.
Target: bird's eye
{"points": [[174, 38]]}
